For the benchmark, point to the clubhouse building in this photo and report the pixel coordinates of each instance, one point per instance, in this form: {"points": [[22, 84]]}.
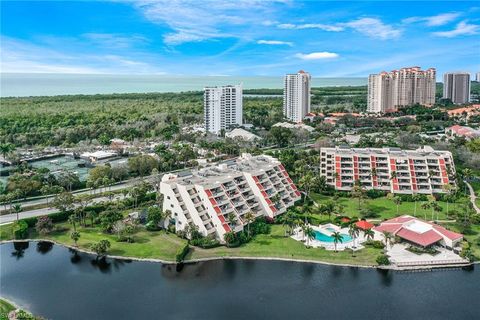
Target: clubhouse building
{"points": [[419, 232]]}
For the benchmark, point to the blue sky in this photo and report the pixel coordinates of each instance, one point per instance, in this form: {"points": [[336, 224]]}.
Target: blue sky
{"points": [[251, 37]]}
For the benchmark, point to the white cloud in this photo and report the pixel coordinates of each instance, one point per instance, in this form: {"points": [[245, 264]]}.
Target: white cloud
{"points": [[18, 56], [275, 42], [115, 41], [434, 21], [317, 55], [193, 21], [324, 27], [371, 27], [374, 28], [462, 29]]}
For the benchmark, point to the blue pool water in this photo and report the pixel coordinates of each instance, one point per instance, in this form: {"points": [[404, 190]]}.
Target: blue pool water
{"points": [[324, 238]]}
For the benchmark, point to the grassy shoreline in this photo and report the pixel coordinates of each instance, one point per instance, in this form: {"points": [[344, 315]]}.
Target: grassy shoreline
{"points": [[163, 246]]}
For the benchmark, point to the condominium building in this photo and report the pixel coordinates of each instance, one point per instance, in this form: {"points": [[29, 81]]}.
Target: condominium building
{"points": [[217, 198], [296, 96], [456, 87], [423, 170], [223, 108], [477, 76], [388, 91]]}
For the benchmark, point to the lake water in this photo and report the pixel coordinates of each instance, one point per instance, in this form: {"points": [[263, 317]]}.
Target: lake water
{"points": [[21, 85], [54, 282]]}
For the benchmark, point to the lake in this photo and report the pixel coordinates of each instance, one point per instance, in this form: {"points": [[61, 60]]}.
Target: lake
{"points": [[37, 84], [57, 283]]}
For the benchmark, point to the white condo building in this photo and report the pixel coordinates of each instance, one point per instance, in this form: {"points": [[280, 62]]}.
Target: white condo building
{"points": [[223, 107], [456, 87], [423, 170], [388, 91], [210, 197], [296, 96]]}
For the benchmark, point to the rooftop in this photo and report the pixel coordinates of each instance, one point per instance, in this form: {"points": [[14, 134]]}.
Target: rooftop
{"points": [[224, 171], [423, 151]]}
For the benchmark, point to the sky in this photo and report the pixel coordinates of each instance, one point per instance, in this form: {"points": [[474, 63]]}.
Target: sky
{"points": [[238, 38]]}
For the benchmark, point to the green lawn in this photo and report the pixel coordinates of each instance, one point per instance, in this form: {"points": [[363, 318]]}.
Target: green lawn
{"points": [[5, 308], [158, 245], [385, 208]]}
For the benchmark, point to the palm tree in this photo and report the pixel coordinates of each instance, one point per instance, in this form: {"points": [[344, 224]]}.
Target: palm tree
{"points": [[17, 208], [369, 234], [232, 220], [357, 192], [337, 237], [415, 198], [388, 237], [467, 174], [6, 148], [353, 231], [75, 235], [306, 182], [72, 219], [448, 189], [425, 206], [398, 201], [230, 237], [309, 234], [393, 175], [250, 217]]}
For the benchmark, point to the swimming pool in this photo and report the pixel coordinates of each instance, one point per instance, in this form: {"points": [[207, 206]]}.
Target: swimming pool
{"points": [[324, 238]]}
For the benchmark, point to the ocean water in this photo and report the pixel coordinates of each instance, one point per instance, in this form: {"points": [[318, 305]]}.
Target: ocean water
{"points": [[34, 84]]}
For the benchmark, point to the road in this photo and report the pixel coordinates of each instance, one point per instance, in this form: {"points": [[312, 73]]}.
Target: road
{"points": [[8, 218], [126, 184], [473, 197]]}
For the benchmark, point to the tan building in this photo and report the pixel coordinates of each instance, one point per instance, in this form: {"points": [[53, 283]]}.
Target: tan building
{"points": [[388, 91]]}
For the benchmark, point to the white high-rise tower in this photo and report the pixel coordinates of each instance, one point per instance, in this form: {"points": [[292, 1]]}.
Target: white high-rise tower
{"points": [[296, 96], [223, 107]]}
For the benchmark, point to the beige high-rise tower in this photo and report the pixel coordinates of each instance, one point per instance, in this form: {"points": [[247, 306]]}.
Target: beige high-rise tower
{"points": [[388, 91]]}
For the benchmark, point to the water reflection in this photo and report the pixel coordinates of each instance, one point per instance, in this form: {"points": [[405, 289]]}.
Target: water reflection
{"points": [[225, 289], [386, 277], [75, 258], [20, 247], [44, 246], [101, 264]]}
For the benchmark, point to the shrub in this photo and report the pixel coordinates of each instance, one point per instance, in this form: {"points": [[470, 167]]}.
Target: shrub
{"points": [[205, 242], [44, 225], [182, 252], [375, 243], [383, 260], [20, 230], [374, 194]]}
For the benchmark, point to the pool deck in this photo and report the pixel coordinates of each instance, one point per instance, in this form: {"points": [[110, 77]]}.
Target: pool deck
{"points": [[354, 245]]}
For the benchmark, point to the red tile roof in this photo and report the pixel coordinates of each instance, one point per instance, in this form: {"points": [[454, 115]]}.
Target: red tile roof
{"points": [[447, 233], [364, 225], [423, 239]]}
